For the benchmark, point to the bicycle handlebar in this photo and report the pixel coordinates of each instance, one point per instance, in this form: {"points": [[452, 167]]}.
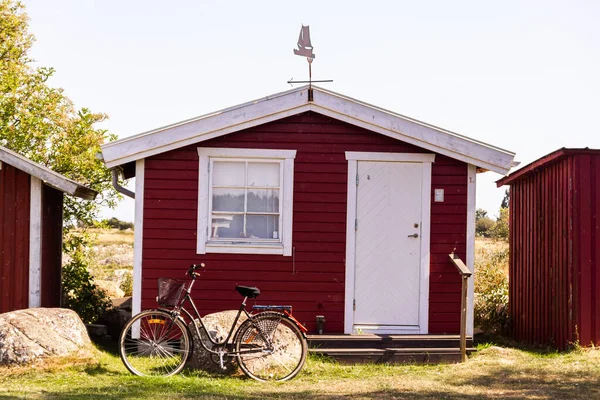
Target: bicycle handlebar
{"points": [[192, 271]]}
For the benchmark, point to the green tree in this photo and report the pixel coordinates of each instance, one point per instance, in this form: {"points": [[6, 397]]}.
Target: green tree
{"points": [[41, 123], [506, 199]]}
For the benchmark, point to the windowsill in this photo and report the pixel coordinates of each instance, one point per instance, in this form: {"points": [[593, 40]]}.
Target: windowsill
{"points": [[250, 248]]}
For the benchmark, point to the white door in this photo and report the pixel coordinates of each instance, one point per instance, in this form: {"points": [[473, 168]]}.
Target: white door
{"points": [[388, 269]]}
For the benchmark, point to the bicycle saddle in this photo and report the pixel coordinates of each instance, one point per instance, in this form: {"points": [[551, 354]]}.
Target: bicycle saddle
{"points": [[248, 291]]}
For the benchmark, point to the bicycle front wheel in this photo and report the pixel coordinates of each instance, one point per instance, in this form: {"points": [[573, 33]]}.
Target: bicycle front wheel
{"points": [[153, 343], [270, 347]]}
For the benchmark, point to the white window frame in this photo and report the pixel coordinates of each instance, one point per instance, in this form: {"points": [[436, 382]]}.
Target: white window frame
{"points": [[206, 156]]}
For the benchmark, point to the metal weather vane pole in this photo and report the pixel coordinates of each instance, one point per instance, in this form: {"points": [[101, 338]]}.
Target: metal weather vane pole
{"points": [[305, 49]]}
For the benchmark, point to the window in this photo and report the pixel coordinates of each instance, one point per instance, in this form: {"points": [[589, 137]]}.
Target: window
{"points": [[245, 201]]}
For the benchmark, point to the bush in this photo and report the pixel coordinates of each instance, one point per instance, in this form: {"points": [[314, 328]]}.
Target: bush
{"points": [[491, 291], [127, 284], [118, 224], [500, 230], [79, 292], [483, 226]]}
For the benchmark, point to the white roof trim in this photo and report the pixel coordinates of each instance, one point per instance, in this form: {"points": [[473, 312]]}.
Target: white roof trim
{"points": [[294, 102], [48, 176]]}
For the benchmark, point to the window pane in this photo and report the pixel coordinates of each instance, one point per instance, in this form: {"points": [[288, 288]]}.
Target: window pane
{"points": [[228, 200], [263, 174], [227, 226], [263, 200], [228, 173], [262, 226]]}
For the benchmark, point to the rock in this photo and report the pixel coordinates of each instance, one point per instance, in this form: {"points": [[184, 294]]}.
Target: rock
{"points": [[218, 324], [35, 333], [117, 317], [111, 288]]}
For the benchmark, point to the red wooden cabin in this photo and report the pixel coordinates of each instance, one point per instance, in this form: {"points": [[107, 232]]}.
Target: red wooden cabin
{"points": [[31, 201], [334, 206], [555, 249]]}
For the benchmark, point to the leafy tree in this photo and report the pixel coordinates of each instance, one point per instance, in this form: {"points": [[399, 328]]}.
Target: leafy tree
{"points": [[506, 199], [41, 123]]}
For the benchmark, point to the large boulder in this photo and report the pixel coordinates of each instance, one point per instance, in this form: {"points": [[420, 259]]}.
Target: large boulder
{"points": [[218, 325], [35, 333]]}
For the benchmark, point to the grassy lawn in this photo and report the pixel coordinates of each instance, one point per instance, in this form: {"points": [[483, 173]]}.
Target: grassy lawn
{"points": [[494, 372]]}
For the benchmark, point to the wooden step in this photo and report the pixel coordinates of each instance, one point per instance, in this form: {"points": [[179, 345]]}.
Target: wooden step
{"points": [[426, 355], [386, 341]]}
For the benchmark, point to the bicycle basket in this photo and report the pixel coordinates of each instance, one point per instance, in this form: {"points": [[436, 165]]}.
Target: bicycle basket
{"points": [[170, 292]]}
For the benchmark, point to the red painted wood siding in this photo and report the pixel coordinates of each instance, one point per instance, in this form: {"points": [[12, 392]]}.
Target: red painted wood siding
{"points": [[52, 223], [554, 244], [586, 247], [14, 239], [319, 224]]}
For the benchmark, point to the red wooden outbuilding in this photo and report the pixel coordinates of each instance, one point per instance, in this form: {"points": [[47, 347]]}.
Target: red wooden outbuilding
{"points": [[31, 202], [554, 272], [337, 207]]}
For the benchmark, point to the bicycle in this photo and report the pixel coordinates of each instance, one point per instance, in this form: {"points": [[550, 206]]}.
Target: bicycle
{"points": [[269, 345]]}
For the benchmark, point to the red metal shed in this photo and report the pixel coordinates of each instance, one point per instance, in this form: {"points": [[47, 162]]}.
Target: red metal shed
{"points": [[555, 249], [31, 202], [324, 202]]}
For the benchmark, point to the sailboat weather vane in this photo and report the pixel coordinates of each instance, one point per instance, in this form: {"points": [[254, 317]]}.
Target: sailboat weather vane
{"points": [[305, 49]]}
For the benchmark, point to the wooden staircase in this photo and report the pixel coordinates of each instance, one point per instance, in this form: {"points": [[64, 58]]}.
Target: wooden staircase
{"points": [[368, 348]]}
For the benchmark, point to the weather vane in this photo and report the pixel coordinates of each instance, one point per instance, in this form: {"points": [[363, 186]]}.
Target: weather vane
{"points": [[305, 49]]}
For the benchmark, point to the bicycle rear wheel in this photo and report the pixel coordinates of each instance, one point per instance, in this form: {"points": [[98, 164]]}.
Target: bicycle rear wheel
{"points": [[270, 347], [153, 343]]}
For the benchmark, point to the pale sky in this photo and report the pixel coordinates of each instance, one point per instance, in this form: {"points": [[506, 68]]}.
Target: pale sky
{"points": [[520, 75]]}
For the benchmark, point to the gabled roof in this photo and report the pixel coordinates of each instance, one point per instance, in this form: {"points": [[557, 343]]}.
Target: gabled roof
{"points": [[297, 101], [544, 162], [48, 176]]}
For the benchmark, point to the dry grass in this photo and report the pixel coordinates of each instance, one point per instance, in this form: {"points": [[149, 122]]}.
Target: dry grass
{"points": [[494, 372]]}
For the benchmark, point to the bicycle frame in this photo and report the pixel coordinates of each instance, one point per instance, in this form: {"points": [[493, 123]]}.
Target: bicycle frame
{"points": [[176, 311]]}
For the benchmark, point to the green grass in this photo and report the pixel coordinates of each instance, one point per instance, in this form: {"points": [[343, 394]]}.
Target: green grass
{"points": [[494, 372]]}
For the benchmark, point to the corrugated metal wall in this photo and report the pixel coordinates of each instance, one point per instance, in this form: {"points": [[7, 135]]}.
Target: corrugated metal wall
{"points": [[554, 241]]}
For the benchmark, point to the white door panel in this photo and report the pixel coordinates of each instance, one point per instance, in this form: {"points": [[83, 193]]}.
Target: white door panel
{"points": [[388, 261]]}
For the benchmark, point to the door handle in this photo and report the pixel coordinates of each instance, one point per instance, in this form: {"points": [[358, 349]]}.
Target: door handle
{"points": [[414, 235]]}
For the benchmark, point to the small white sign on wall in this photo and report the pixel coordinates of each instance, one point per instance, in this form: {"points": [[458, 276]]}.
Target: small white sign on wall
{"points": [[438, 195]]}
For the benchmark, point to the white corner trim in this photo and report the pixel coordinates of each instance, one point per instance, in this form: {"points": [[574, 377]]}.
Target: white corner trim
{"points": [[287, 157], [350, 248], [399, 157], [425, 246], [138, 236], [426, 160], [471, 207], [35, 243]]}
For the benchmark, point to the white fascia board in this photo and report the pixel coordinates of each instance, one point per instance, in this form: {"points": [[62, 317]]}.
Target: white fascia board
{"points": [[47, 175], [205, 128], [412, 131], [294, 102]]}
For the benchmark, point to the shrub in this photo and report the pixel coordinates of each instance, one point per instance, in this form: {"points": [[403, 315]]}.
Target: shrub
{"points": [[127, 284], [79, 292], [118, 224], [483, 226], [500, 230], [491, 290]]}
